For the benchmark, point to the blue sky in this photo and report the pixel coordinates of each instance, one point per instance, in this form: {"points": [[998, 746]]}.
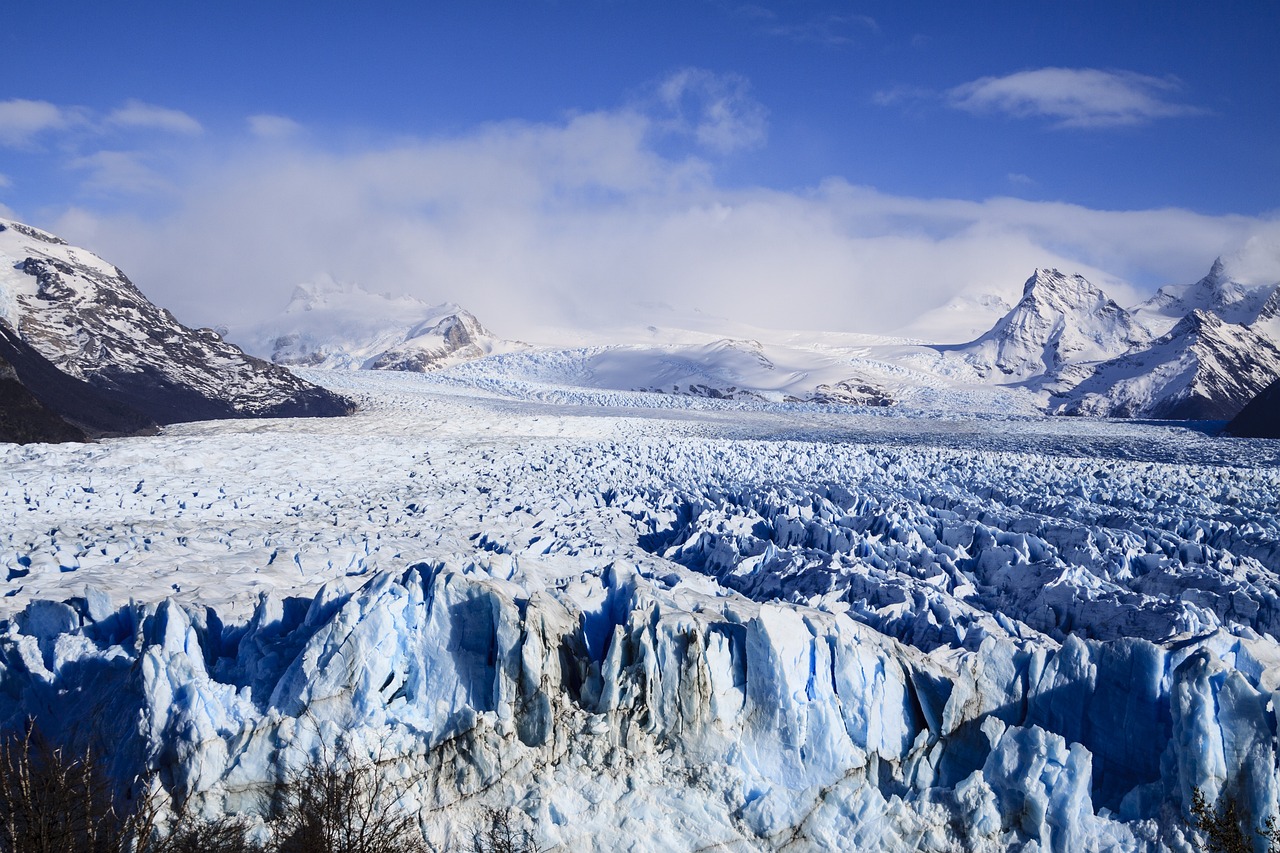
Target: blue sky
{"points": [[545, 161]]}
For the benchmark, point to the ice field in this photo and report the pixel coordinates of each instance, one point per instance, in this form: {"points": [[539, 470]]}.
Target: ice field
{"points": [[654, 622]]}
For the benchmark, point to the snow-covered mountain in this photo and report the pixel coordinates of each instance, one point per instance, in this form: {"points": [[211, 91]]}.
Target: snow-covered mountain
{"points": [[1061, 322], [86, 318], [1220, 293], [340, 325], [960, 319], [1203, 369], [89, 411], [333, 325]]}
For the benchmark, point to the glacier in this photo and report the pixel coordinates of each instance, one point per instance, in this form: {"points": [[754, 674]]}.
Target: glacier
{"points": [[657, 623]]}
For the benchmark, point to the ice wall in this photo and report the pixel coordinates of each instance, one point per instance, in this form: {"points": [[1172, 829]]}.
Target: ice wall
{"points": [[623, 712]]}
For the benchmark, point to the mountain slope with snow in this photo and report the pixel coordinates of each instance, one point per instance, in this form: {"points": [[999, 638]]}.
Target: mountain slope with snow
{"points": [[89, 410], [337, 325], [959, 320], [86, 318], [1061, 321], [1203, 369]]}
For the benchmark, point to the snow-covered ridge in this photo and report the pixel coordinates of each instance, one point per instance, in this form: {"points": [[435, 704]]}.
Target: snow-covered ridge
{"points": [[1050, 348], [1220, 293], [1204, 369]]}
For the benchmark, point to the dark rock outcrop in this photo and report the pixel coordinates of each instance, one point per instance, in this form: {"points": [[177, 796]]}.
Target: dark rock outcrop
{"points": [[1261, 417]]}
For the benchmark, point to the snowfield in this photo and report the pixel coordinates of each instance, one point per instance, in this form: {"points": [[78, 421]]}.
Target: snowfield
{"points": [[658, 622]]}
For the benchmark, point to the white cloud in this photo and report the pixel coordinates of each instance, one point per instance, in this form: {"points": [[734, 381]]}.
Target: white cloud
{"points": [[1074, 97], [5, 182], [266, 126], [136, 114], [575, 222], [21, 120], [717, 110], [119, 171]]}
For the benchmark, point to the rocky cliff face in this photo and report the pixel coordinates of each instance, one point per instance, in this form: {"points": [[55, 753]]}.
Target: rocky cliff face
{"points": [[88, 411], [1260, 418], [24, 419], [86, 318]]}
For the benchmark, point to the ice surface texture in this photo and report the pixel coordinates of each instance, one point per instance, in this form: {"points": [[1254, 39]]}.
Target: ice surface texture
{"points": [[720, 625]]}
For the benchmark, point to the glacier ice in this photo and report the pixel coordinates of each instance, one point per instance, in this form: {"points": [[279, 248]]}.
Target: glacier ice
{"points": [[721, 625]]}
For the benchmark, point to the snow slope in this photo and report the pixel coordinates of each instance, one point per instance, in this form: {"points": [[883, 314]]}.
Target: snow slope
{"points": [[734, 625], [959, 320]]}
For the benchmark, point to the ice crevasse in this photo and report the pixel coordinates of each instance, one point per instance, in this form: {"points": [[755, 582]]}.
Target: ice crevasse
{"points": [[625, 712]]}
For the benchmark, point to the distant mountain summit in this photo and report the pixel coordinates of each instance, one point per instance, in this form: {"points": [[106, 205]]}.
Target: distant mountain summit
{"points": [[332, 324], [85, 318], [1060, 321], [1220, 293], [1203, 369]]}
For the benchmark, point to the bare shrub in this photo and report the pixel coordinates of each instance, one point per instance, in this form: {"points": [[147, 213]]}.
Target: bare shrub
{"points": [[226, 835], [1225, 826], [53, 800], [497, 833], [344, 805]]}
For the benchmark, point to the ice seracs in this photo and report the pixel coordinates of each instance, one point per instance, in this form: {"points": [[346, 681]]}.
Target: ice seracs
{"points": [[757, 626], [85, 317]]}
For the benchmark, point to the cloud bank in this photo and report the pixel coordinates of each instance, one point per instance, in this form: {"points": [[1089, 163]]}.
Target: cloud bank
{"points": [[577, 222]]}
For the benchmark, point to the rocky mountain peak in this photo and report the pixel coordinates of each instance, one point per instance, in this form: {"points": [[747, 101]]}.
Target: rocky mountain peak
{"points": [[334, 324], [1060, 319], [1197, 322]]}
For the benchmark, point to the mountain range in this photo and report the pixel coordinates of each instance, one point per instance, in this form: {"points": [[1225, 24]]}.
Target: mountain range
{"points": [[1190, 352], [97, 356], [340, 325]]}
